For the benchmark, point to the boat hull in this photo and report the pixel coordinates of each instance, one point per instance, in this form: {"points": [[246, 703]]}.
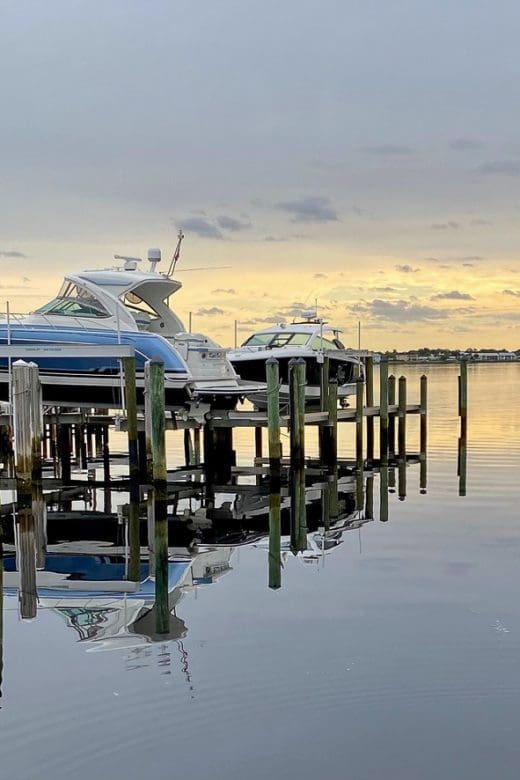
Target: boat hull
{"points": [[251, 366]]}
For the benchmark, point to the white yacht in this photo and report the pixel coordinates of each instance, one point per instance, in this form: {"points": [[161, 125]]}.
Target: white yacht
{"points": [[310, 339], [125, 299]]}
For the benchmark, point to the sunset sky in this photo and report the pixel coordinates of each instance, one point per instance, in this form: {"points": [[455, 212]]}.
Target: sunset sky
{"points": [[365, 154]]}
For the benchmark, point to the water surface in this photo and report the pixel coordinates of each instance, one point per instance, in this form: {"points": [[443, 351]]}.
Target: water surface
{"points": [[394, 655]]}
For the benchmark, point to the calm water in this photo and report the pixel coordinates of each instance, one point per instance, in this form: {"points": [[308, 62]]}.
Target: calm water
{"points": [[395, 654]]}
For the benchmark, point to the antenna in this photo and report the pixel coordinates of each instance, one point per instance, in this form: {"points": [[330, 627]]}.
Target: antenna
{"points": [[130, 262], [176, 254]]}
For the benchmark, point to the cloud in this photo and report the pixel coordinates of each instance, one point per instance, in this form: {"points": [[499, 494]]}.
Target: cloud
{"points": [[464, 144], [383, 289], [406, 269], [399, 311], [212, 312], [451, 225], [201, 226], [454, 295], [389, 150], [230, 291], [515, 293], [11, 253], [500, 168], [232, 224], [274, 239], [310, 209]]}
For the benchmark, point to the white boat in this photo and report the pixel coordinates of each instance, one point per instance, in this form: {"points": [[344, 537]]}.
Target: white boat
{"points": [[124, 299], [311, 339]]}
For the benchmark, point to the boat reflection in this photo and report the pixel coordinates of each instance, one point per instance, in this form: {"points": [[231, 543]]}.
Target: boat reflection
{"points": [[98, 571]]}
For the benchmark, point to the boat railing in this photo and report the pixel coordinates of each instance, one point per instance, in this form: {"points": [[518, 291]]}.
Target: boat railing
{"points": [[26, 321]]}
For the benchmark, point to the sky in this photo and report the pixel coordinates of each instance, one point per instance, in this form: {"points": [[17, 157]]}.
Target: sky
{"points": [[364, 154]]}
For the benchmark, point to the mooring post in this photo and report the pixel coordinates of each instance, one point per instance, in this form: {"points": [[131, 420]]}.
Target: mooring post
{"points": [[131, 415], [27, 563], [324, 405], [383, 408], [369, 384], [83, 446], [209, 443], [64, 452], [359, 424], [383, 493], [359, 490], [98, 442], [106, 456], [24, 376], [275, 554], [77, 444], [297, 411], [39, 511], [391, 416], [36, 408], [330, 440], [273, 428], [188, 448], [155, 416], [88, 440], [462, 465], [225, 456], [463, 397], [196, 446], [402, 417], [273, 412], [297, 443], [258, 443], [134, 538], [423, 433], [401, 479], [369, 499]]}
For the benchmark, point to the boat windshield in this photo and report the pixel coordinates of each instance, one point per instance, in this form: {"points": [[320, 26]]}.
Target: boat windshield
{"points": [[319, 342], [277, 339], [74, 301]]}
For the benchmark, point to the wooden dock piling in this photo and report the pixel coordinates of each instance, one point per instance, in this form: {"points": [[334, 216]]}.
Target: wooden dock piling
{"points": [[27, 425], [275, 554], [330, 439], [297, 411], [359, 424], [369, 395], [383, 493], [273, 412], [297, 444], [383, 408], [391, 417], [463, 398], [155, 416], [423, 434], [131, 414], [133, 540], [402, 418], [369, 498], [26, 561]]}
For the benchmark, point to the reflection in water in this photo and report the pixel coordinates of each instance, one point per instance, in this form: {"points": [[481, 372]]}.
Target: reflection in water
{"points": [[116, 579]]}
